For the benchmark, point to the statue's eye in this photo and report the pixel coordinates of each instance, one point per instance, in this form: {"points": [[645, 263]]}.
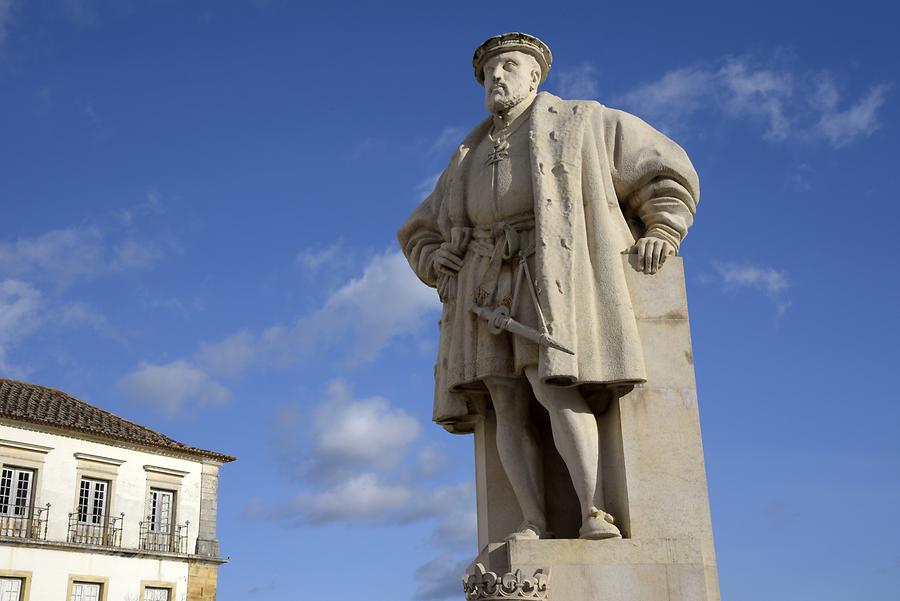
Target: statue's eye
{"points": [[509, 65]]}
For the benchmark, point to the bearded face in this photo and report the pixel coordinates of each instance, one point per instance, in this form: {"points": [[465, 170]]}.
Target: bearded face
{"points": [[509, 78]]}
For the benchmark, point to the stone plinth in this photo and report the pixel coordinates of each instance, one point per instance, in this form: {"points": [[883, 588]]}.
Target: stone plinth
{"points": [[612, 570], [654, 478]]}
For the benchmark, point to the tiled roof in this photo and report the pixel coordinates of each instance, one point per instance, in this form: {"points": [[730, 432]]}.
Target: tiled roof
{"points": [[40, 405]]}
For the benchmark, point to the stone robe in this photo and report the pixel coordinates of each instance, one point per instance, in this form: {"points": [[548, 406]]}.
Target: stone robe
{"points": [[601, 178]]}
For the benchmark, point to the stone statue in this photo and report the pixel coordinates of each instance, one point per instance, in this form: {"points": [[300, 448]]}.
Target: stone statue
{"points": [[523, 238]]}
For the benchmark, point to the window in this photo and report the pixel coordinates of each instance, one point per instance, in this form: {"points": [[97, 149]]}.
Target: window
{"points": [[91, 525], [158, 533], [16, 486], [86, 591], [10, 588], [155, 594], [162, 504], [92, 501]]}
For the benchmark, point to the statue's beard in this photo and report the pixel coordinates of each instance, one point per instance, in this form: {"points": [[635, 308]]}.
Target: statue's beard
{"points": [[504, 103]]}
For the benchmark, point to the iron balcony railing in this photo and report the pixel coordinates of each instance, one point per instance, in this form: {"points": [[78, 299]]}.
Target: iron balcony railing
{"points": [[104, 531], [172, 540], [25, 522]]}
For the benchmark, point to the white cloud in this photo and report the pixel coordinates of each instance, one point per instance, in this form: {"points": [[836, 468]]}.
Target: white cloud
{"points": [[360, 434], [368, 498], [172, 387], [26, 311], [69, 254], [20, 305], [673, 97], [386, 301], [365, 313], [5, 17], [426, 186], [758, 92], [313, 260], [860, 120], [449, 138], [772, 282], [19, 302], [132, 254], [79, 314], [363, 498], [231, 355], [788, 104], [578, 82]]}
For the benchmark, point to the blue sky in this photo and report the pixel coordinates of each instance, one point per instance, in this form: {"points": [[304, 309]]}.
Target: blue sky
{"points": [[199, 203]]}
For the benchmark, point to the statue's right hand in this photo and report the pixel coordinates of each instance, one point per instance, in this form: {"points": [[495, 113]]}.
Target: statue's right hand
{"points": [[446, 261]]}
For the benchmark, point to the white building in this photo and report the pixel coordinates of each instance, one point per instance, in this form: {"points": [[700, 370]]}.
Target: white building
{"points": [[96, 508]]}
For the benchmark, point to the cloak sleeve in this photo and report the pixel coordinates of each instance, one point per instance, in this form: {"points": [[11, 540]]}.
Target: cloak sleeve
{"points": [[653, 177], [420, 235]]}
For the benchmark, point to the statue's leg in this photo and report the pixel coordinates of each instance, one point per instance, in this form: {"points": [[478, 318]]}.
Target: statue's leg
{"points": [[519, 451], [574, 428]]}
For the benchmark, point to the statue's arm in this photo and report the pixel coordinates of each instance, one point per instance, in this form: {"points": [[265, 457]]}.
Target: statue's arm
{"points": [[654, 180], [420, 236]]}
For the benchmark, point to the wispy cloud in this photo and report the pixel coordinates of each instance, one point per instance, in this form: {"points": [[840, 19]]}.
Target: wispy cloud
{"points": [[670, 99], [384, 302], [230, 356], [426, 186], [19, 315], [173, 388], [786, 103], [25, 311], [841, 127], [314, 259], [362, 315], [577, 82], [68, 254], [757, 92], [447, 139], [6, 8], [768, 280]]}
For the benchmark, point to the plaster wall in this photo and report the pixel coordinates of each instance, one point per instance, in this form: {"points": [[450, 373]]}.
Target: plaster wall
{"points": [[57, 481], [52, 569]]}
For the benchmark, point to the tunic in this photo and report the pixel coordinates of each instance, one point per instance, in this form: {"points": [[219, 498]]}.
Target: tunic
{"points": [[497, 192]]}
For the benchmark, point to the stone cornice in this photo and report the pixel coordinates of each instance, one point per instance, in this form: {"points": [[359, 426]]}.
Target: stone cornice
{"points": [[101, 550], [25, 446]]}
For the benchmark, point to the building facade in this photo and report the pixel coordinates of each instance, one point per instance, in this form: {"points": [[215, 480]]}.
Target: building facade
{"points": [[94, 507]]}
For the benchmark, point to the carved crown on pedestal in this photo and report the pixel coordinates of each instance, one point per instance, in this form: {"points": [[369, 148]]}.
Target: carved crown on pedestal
{"points": [[481, 585]]}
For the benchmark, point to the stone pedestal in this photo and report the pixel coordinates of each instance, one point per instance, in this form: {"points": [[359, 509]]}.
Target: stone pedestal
{"points": [[653, 476], [611, 570]]}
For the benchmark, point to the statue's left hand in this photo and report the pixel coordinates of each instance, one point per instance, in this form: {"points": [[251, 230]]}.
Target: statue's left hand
{"points": [[652, 252]]}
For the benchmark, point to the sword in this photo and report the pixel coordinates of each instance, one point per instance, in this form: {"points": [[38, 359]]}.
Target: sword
{"points": [[500, 320]]}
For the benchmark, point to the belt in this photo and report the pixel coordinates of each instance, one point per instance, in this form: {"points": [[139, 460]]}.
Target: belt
{"points": [[500, 241]]}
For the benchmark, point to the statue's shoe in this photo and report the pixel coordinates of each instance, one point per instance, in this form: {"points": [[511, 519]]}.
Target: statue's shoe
{"points": [[527, 531], [598, 525]]}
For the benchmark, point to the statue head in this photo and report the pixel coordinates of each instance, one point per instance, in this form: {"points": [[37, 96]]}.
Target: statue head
{"points": [[511, 66]]}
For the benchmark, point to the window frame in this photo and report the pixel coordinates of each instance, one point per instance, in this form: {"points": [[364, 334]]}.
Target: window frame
{"points": [[25, 577], [173, 510], [18, 455], [80, 579], [158, 584]]}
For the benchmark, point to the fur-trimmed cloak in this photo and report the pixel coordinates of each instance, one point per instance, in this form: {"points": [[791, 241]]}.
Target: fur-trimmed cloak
{"points": [[601, 179]]}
